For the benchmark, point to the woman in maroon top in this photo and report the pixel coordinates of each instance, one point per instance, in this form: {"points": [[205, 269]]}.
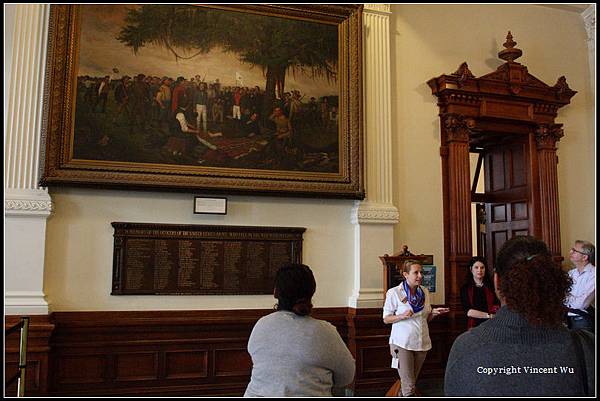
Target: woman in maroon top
{"points": [[478, 298]]}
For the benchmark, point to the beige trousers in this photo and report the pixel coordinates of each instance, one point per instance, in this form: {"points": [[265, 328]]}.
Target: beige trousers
{"points": [[409, 366]]}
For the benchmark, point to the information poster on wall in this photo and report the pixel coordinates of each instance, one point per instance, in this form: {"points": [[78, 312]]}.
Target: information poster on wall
{"points": [[429, 277]]}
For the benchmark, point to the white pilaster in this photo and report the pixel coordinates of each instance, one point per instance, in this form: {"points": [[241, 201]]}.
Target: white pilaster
{"points": [[589, 19], [375, 217], [26, 205]]}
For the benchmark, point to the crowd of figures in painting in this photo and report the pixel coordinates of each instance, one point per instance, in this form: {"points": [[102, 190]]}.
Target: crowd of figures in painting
{"points": [[188, 121]]}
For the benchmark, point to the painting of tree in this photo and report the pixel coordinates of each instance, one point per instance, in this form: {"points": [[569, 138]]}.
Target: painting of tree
{"points": [[276, 45]]}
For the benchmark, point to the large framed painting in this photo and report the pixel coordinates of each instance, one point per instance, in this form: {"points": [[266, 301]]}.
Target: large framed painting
{"points": [[263, 99]]}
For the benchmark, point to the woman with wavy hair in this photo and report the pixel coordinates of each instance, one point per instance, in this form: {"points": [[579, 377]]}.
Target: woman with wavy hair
{"points": [[525, 350], [292, 353]]}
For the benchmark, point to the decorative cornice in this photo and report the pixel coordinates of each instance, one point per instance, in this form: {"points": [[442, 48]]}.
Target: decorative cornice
{"points": [[28, 203], [464, 98], [589, 19]]}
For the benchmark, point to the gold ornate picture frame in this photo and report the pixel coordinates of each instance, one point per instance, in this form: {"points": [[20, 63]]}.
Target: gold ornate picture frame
{"points": [[114, 116]]}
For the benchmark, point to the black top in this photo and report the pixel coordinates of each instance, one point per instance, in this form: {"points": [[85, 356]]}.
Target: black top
{"points": [[479, 301]]}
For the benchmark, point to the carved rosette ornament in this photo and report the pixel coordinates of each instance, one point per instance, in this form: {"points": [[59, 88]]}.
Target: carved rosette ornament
{"points": [[547, 135], [458, 127]]}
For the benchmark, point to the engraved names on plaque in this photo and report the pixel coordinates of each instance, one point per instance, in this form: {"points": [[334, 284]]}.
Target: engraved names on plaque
{"points": [[166, 259]]}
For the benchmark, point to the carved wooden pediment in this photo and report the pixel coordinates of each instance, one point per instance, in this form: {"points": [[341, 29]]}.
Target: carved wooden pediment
{"points": [[509, 92], [514, 73]]}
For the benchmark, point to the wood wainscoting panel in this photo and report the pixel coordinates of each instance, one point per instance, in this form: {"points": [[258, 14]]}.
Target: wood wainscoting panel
{"points": [[376, 359], [369, 342], [186, 364], [36, 379], [136, 366], [81, 369], [32, 377], [200, 353], [153, 353], [232, 362]]}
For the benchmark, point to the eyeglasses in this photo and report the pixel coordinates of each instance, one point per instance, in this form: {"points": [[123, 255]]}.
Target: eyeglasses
{"points": [[575, 250]]}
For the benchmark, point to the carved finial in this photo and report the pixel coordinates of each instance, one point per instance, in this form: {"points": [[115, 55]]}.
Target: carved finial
{"points": [[562, 85], [509, 41], [511, 53], [562, 89], [405, 251], [463, 73]]}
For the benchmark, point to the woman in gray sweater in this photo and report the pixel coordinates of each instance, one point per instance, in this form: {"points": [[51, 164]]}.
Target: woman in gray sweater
{"points": [[525, 350], [292, 353]]}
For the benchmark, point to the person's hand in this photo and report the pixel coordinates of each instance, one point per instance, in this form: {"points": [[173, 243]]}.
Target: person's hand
{"points": [[406, 314], [439, 311]]}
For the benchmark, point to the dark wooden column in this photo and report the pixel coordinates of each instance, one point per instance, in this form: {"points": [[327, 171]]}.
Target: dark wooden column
{"points": [[547, 135], [456, 165]]}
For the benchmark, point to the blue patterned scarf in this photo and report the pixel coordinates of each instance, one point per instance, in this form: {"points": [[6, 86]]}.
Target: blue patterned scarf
{"points": [[416, 301]]}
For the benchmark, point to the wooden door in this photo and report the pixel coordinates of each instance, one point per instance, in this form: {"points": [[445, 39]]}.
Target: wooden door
{"points": [[507, 203]]}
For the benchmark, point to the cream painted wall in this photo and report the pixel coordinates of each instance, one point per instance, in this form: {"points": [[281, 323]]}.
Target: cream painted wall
{"points": [[79, 246], [431, 40], [426, 41]]}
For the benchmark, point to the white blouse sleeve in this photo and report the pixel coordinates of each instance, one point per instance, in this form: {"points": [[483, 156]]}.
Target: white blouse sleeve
{"points": [[391, 302]]}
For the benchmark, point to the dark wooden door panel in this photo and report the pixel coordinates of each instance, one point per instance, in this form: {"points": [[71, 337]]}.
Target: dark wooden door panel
{"points": [[507, 202]]}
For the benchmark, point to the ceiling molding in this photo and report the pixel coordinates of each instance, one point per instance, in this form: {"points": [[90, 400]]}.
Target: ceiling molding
{"points": [[575, 8]]}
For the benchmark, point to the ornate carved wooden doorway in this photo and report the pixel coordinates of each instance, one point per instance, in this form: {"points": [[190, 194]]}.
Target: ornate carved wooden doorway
{"points": [[508, 117]]}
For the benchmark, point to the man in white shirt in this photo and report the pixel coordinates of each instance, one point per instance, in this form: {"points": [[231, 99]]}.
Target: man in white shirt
{"points": [[583, 292], [186, 128]]}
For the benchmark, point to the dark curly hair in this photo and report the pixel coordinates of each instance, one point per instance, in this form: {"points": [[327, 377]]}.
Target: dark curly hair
{"points": [[531, 282], [294, 287]]}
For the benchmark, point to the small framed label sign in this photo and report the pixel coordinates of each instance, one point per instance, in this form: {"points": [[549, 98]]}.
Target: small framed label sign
{"points": [[204, 205]]}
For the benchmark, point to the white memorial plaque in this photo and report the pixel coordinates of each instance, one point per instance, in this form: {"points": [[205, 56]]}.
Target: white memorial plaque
{"points": [[210, 205]]}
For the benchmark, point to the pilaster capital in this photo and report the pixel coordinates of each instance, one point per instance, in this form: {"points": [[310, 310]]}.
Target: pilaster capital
{"points": [[374, 213], [377, 8], [546, 136], [457, 127], [27, 203]]}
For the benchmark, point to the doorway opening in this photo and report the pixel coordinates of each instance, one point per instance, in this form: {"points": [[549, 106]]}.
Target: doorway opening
{"points": [[501, 203]]}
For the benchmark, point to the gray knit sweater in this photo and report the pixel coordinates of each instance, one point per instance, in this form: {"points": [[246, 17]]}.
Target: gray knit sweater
{"points": [[297, 356], [506, 356]]}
